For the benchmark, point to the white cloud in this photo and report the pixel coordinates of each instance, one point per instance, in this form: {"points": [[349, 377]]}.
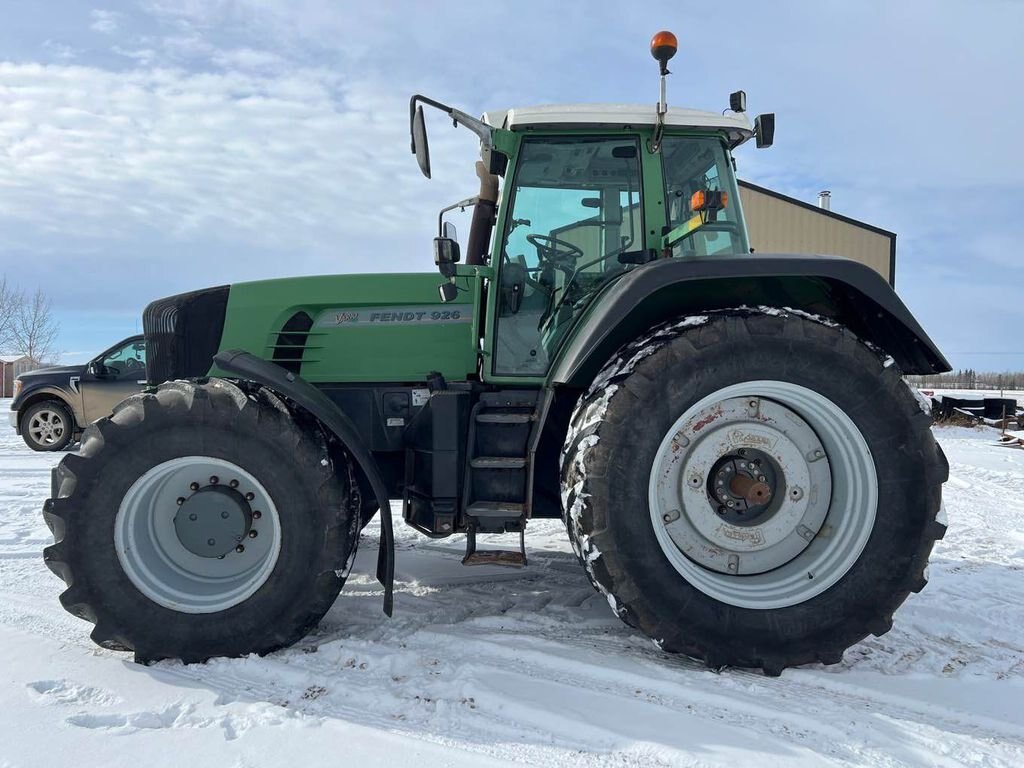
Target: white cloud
{"points": [[104, 22], [307, 163], [59, 50]]}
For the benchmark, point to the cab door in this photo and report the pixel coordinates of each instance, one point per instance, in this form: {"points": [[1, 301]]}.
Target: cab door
{"points": [[111, 377], [575, 221]]}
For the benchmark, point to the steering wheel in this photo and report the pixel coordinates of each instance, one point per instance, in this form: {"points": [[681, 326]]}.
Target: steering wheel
{"points": [[131, 363], [554, 251]]}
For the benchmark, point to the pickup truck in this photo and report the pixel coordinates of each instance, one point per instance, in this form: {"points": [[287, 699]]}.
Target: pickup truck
{"points": [[53, 406]]}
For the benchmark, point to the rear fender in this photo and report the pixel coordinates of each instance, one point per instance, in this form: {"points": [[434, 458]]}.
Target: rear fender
{"points": [[835, 288], [247, 366]]}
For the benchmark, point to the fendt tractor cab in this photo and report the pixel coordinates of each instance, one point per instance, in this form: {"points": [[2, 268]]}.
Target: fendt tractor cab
{"points": [[741, 469]]}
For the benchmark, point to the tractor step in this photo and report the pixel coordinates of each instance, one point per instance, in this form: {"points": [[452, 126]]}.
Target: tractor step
{"points": [[504, 418], [498, 462], [489, 509], [494, 556]]}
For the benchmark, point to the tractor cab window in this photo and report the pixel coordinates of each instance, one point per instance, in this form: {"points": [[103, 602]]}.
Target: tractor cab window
{"points": [[694, 164], [575, 211]]}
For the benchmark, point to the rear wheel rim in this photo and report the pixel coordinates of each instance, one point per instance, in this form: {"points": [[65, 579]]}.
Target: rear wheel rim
{"points": [[825, 505], [161, 560], [47, 427]]}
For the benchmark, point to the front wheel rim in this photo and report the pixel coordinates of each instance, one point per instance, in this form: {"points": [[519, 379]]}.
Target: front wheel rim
{"points": [[822, 523], [46, 427], [161, 560]]}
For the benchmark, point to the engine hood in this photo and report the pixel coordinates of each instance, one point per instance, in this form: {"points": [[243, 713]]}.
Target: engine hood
{"points": [[51, 372]]}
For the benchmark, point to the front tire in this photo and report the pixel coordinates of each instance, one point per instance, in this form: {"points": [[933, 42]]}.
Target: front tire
{"points": [[825, 534], [202, 520], [47, 426]]}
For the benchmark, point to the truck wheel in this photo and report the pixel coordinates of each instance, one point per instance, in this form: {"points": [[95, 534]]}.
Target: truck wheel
{"points": [[199, 521], [47, 426], [753, 489]]}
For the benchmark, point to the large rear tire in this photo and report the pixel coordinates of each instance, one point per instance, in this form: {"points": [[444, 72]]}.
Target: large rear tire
{"points": [[753, 489], [202, 520]]}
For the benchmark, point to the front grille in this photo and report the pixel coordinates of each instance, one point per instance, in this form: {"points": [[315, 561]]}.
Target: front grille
{"points": [[183, 334]]}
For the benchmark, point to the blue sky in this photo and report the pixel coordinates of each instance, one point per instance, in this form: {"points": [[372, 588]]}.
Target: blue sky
{"points": [[150, 147]]}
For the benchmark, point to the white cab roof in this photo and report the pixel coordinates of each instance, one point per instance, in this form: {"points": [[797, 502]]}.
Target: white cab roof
{"points": [[619, 116]]}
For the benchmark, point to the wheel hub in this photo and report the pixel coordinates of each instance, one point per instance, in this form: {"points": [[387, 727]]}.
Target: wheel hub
{"points": [[213, 521], [742, 486]]}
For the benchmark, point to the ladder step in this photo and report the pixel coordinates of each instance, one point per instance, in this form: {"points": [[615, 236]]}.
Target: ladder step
{"points": [[495, 509], [498, 462], [496, 557], [504, 418]]}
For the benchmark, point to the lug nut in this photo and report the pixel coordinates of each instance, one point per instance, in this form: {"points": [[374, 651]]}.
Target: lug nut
{"points": [[181, 500], [240, 548], [193, 486], [253, 534], [233, 483], [256, 514], [250, 496], [214, 479]]}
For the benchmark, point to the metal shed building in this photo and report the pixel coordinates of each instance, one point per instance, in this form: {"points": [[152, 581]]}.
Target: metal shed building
{"points": [[777, 223]]}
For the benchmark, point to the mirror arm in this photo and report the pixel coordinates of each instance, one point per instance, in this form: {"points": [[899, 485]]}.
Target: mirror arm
{"points": [[458, 117], [463, 204]]}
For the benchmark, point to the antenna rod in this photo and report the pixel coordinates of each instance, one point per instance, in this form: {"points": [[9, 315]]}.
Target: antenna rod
{"points": [[663, 48]]}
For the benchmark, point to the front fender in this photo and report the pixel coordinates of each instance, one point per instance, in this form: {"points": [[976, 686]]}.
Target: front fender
{"points": [[247, 366], [840, 289], [34, 394]]}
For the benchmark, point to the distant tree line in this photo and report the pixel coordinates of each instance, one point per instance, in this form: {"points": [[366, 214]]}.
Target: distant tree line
{"points": [[968, 378], [27, 325]]}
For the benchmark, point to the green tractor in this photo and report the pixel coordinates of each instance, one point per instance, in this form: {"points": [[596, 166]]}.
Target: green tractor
{"points": [[742, 471]]}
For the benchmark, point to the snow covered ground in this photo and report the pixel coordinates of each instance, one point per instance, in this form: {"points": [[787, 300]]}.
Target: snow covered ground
{"points": [[489, 667]]}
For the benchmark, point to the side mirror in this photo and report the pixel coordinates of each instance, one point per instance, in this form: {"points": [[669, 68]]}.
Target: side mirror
{"points": [[764, 129], [96, 368], [419, 142], [446, 255], [447, 292]]}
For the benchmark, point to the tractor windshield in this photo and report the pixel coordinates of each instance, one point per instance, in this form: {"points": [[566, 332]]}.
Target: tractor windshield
{"points": [[693, 164], [575, 211]]}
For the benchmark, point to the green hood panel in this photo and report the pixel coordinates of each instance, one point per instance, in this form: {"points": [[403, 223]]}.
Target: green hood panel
{"points": [[356, 328]]}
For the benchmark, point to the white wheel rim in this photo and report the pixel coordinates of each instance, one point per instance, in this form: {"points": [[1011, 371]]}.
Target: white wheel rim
{"points": [[811, 540], [160, 566]]}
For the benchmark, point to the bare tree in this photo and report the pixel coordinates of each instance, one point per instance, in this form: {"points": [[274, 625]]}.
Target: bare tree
{"points": [[10, 301], [35, 329]]}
